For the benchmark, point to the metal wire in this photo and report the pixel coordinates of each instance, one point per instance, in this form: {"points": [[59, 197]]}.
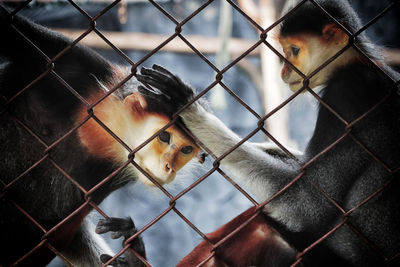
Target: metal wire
{"points": [[47, 148]]}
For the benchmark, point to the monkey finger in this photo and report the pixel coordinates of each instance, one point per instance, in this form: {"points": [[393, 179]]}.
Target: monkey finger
{"points": [[150, 92], [105, 257], [157, 102], [150, 80], [178, 81], [163, 70], [153, 96], [102, 227], [175, 79], [118, 262], [114, 224], [101, 230], [157, 75], [117, 234], [121, 223], [174, 87], [167, 79], [170, 93]]}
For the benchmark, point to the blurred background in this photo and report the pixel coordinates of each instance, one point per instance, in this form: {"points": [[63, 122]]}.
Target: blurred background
{"points": [[221, 33]]}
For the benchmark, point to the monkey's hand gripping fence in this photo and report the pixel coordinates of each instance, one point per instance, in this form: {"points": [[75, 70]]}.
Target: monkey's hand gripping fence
{"points": [[262, 41]]}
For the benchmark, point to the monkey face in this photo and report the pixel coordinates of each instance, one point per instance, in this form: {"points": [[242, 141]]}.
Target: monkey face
{"points": [[132, 124], [307, 52], [165, 155], [296, 53]]}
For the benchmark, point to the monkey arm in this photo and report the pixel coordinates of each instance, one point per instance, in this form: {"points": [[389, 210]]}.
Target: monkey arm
{"points": [[247, 162], [274, 150]]}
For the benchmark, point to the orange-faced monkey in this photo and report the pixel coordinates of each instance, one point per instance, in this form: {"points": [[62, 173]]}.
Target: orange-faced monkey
{"points": [[56, 153], [344, 207]]}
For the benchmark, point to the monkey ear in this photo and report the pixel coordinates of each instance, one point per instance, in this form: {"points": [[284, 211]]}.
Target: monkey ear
{"points": [[136, 104], [333, 34]]}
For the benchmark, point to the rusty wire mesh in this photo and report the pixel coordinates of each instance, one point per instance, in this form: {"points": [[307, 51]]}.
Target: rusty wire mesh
{"points": [[216, 160]]}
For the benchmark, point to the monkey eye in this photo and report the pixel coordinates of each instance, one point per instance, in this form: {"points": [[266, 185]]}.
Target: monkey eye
{"points": [[164, 137], [295, 50], [187, 149]]}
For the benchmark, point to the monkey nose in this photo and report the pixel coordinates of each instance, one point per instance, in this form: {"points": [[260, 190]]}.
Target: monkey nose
{"points": [[168, 168]]}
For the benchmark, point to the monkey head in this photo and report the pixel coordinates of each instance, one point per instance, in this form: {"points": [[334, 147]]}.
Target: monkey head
{"points": [[309, 38], [130, 121], [167, 153], [307, 52]]}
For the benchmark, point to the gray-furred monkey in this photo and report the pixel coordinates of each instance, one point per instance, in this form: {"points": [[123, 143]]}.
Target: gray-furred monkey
{"points": [[35, 161], [347, 173]]}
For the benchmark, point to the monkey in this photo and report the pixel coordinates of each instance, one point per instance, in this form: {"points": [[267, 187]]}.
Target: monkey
{"points": [[339, 204], [68, 140]]}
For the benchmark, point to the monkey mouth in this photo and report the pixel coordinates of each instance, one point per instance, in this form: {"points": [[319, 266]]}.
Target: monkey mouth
{"points": [[145, 180], [294, 83]]}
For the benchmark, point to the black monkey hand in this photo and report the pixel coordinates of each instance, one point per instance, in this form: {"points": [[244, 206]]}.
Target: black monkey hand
{"points": [[117, 226], [173, 92], [126, 228]]}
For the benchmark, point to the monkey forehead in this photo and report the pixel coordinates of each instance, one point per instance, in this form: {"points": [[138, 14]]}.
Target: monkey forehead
{"points": [[158, 118], [155, 122], [298, 40]]}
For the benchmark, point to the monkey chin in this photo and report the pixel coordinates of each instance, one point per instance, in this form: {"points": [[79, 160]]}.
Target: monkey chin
{"points": [[295, 86], [314, 85], [161, 180]]}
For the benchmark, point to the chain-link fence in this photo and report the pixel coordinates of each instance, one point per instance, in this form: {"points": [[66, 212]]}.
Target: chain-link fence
{"points": [[49, 146]]}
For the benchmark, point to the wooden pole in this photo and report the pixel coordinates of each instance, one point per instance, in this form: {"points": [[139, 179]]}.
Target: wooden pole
{"points": [[274, 90], [147, 42], [206, 45]]}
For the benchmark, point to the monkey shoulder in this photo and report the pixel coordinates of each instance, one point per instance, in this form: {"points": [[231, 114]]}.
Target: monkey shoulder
{"points": [[354, 89]]}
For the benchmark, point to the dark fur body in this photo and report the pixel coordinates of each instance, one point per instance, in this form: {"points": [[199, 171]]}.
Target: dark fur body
{"points": [[347, 173], [50, 111]]}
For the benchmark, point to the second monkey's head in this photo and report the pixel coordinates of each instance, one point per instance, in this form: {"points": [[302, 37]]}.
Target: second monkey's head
{"points": [[309, 38]]}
